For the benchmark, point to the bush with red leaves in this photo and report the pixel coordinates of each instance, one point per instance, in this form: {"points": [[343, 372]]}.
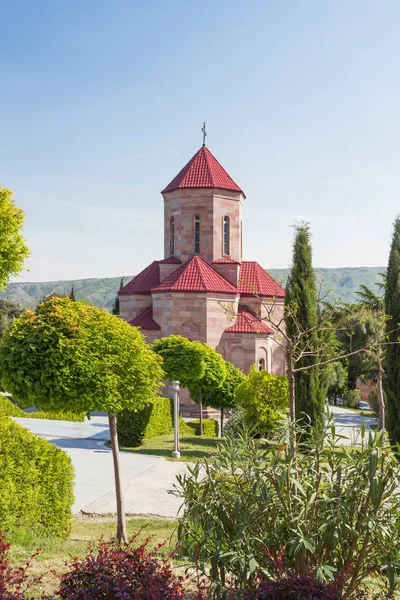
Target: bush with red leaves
{"points": [[14, 583], [297, 588], [120, 572]]}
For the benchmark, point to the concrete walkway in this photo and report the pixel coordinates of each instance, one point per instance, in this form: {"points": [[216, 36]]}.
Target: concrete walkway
{"points": [[147, 480], [348, 424]]}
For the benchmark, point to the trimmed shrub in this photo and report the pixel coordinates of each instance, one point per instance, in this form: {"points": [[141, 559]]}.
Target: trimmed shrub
{"points": [[115, 572], [210, 427], [352, 398], [156, 418], [37, 481], [8, 408]]}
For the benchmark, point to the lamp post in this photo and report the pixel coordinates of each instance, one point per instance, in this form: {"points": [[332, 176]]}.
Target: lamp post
{"points": [[175, 386]]}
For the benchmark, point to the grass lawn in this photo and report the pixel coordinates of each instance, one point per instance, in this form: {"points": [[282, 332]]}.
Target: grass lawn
{"points": [[360, 411], [193, 448], [55, 551]]}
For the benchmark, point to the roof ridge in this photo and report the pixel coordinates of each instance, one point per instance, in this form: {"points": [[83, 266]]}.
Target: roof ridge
{"points": [[207, 158], [199, 266]]}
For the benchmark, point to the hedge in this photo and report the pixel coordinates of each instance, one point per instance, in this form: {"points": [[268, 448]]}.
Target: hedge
{"points": [[210, 427], [156, 418], [37, 480], [9, 409]]}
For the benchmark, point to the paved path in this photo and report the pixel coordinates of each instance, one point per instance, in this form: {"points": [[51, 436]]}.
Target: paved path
{"points": [[146, 479], [348, 424]]}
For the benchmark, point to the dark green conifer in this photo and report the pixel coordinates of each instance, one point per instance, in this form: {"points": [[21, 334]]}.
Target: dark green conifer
{"points": [[115, 309], [72, 294], [301, 309], [392, 306]]}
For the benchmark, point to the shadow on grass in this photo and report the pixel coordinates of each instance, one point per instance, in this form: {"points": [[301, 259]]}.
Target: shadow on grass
{"points": [[190, 448]]}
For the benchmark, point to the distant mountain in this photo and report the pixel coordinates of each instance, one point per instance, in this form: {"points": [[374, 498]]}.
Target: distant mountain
{"points": [[341, 283]]}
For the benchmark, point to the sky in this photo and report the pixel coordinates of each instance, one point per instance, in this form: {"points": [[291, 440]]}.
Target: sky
{"points": [[102, 103]]}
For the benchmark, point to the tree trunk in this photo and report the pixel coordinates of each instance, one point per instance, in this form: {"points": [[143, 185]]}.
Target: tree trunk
{"points": [[292, 403], [121, 521], [381, 400], [221, 422], [201, 413]]}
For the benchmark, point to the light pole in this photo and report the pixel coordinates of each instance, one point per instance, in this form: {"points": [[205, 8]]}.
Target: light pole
{"points": [[175, 386]]}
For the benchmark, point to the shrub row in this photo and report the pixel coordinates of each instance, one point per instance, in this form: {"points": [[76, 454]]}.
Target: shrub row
{"points": [[37, 481], [9, 409], [156, 418]]}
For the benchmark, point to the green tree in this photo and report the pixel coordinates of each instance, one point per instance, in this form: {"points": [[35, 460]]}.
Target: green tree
{"points": [[115, 309], [224, 396], [182, 359], [212, 378], [72, 294], [335, 379], [13, 250], [73, 356], [264, 398], [8, 312], [301, 313], [392, 307]]}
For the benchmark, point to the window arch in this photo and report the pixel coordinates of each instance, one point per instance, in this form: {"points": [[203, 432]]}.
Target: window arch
{"points": [[261, 364], [172, 236], [226, 235], [196, 234]]}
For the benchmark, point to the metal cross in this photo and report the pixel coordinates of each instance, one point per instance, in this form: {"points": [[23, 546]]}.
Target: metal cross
{"points": [[204, 133]]}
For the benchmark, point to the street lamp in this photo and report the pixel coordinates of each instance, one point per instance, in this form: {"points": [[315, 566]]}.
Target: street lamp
{"points": [[175, 386]]}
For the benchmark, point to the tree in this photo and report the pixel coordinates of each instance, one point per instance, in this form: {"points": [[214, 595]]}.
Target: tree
{"points": [[72, 294], [392, 307], [73, 356], [224, 396], [13, 250], [8, 312], [264, 398], [115, 309], [301, 310], [212, 378], [336, 379]]}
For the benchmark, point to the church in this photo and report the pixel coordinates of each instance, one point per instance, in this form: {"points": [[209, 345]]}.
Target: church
{"points": [[203, 289]]}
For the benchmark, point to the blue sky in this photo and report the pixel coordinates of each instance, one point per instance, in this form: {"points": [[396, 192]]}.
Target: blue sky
{"points": [[102, 102]]}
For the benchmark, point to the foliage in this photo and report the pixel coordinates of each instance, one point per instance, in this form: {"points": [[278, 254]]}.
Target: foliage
{"points": [[114, 571], [264, 398], [292, 587], [373, 399], [352, 398], [13, 250], [224, 396], [71, 356], [15, 583], [155, 418], [9, 409], [115, 308], [37, 481], [335, 378], [8, 312], [182, 359], [210, 427], [235, 422], [392, 304], [301, 312], [72, 294], [324, 511], [214, 372], [369, 298]]}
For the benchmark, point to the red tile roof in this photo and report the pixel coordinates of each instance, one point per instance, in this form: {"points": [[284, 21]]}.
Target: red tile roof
{"points": [[203, 171], [171, 260], [145, 321], [196, 276], [142, 283], [222, 261], [253, 280], [248, 322]]}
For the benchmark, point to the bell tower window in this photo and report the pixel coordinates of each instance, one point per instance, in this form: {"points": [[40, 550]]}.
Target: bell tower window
{"points": [[261, 364], [226, 235], [196, 234], [172, 236]]}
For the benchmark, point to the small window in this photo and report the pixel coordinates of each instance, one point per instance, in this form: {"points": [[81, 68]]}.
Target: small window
{"points": [[172, 236], [226, 235], [261, 364], [197, 234]]}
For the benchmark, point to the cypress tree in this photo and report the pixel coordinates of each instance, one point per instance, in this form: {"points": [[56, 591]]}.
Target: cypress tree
{"points": [[72, 294], [115, 309], [301, 304], [392, 305]]}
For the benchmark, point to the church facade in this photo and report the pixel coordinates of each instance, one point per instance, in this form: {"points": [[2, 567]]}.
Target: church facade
{"points": [[202, 288]]}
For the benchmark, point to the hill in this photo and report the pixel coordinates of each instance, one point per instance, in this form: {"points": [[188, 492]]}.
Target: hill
{"points": [[341, 283]]}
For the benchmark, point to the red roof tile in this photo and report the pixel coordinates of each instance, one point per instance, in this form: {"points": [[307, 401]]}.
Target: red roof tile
{"points": [[196, 276], [142, 283], [203, 171], [248, 322], [171, 260], [253, 280], [145, 321], [222, 261]]}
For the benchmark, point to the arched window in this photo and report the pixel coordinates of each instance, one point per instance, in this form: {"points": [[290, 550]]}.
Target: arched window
{"points": [[172, 236], [261, 364], [197, 234], [226, 235]]}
